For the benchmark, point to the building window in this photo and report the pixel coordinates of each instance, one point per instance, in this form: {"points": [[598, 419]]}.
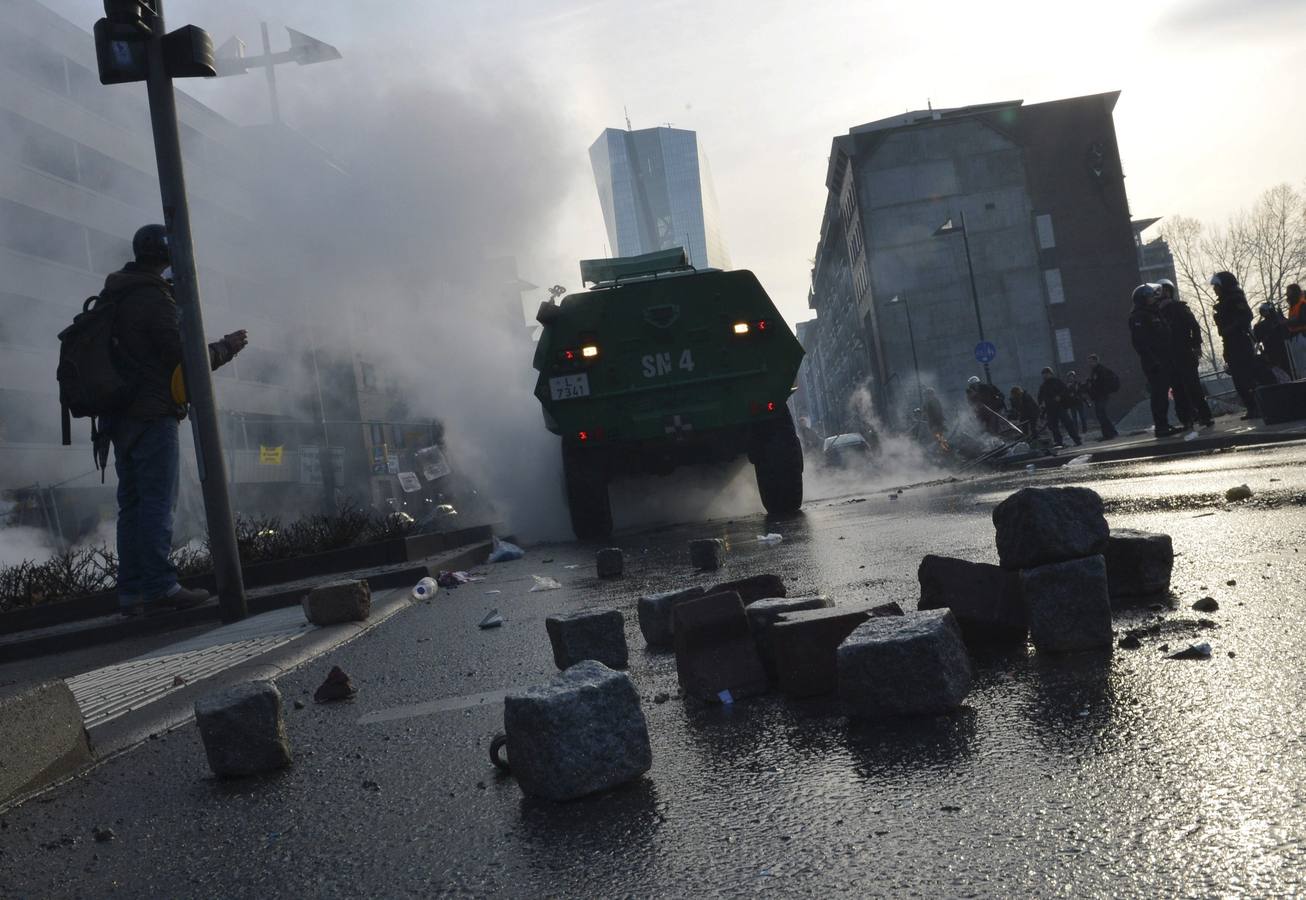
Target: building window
{"points": [[1046, 239], [1065, 349], [1056, 293]]}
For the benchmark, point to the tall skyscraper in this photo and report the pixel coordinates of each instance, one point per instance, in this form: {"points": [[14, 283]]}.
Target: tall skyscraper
{"points": [[656, 191]]}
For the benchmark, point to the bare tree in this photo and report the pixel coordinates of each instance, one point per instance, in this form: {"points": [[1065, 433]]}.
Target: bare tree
{"points": [[1276, 238]]}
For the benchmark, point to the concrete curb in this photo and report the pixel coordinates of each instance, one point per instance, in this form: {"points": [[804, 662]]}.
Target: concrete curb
{"points": [[80, 635], [1164, 449], [64, 749], [44, 739]]}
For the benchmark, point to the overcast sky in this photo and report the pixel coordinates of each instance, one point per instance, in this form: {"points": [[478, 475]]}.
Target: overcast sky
{"points": [[1213, 108]]}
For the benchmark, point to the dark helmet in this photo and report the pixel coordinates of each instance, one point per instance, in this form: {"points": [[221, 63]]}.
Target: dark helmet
{"points": [[1224, 280], [150, 244], [1167, 283], [1266, 309], [1144, 294]]}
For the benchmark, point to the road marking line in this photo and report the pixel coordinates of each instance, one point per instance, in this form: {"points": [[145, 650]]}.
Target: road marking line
{"points": [[448, 704]]}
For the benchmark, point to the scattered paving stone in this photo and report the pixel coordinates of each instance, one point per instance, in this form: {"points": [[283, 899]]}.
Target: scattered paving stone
{"points": [[1037, 526], [588, 634], [243, 730], [804, 645], [610, 562], [655, 615], [337, 602], [103, 834], [370, 785], [1232, 654], [765, 613], [1067, 605], [178, 681], [1129, 642], [715, 653], [1207, 604], [1138, 563], [948, 808], [1193, 651], [480, 785], [904, 666], [581, 732], [299, 704], [985, 599], [661, 697], [705, 554], [892, 608], [1164, 648], [337, 686], [754, 588], [1241, 492], [1231, 582], [1207, 623]]}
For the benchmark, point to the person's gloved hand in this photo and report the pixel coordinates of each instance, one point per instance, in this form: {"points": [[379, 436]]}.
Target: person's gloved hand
{"points": [[236, 341]]}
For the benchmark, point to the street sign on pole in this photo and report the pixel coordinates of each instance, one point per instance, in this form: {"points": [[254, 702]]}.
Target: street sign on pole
{"points": [[985, 352]]}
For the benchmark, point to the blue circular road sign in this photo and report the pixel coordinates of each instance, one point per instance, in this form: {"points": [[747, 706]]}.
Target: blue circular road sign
{"points": [[985, 352]]}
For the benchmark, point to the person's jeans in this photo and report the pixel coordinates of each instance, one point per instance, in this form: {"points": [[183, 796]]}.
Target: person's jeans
{"points": [[1104, 419], [147, 458], [1057, 417]]}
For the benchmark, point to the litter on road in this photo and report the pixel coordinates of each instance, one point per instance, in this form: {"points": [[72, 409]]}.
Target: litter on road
{"points": [[771, 538], [492, 620], [503, 551], [424, 588], [544, 583], [1193, 651]]}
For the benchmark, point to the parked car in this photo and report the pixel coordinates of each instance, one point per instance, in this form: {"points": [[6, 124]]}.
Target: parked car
{"points": [[850, 448]]}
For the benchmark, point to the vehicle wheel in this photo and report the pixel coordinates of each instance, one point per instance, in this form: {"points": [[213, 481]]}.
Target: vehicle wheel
{"points": [[778, 464], [587, 496]]}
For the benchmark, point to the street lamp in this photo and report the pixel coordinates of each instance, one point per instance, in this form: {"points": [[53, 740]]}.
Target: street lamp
{"points": [[899, 299], [948, 228]]}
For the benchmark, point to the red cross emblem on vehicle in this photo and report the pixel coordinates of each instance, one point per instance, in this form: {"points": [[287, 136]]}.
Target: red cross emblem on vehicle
{"points": [[677, 426]]}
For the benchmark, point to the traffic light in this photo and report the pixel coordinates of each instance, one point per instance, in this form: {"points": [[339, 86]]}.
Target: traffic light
{"points": [[188, 53], [120, 43]]}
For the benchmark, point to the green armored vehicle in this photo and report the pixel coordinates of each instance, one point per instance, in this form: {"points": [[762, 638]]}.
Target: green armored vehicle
{"points": [[660, 365]]}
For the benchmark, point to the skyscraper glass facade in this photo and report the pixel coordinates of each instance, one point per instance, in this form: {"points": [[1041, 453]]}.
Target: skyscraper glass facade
{"points": [[656, 192]]}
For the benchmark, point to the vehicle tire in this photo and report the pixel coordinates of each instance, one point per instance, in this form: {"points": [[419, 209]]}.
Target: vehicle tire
{"points": [[587, 496], [778, 464]]}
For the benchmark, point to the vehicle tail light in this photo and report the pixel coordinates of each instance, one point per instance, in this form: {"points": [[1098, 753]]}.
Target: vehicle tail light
{"points": [[589, 351], [741, 328]]}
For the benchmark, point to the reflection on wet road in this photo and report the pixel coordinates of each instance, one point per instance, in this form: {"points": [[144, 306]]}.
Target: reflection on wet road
{"points": [[1095, 775]]}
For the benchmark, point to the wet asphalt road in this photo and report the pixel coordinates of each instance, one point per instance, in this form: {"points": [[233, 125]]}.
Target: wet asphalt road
{"points": [[1121, 775]]}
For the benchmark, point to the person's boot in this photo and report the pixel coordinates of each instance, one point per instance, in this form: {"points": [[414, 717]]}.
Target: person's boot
{"points": [[181, 598]]}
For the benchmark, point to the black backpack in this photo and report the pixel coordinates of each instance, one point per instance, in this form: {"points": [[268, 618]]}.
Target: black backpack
{"points": [[95, 376], [1110, 380]]}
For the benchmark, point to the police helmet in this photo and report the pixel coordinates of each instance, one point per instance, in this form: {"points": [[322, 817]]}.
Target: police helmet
{"points": [[974, 379], [1145, 293], [1167, 283], [1266, 309], [150, 244], [1224, 280]]}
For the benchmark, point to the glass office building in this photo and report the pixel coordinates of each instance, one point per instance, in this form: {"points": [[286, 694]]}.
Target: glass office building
{"points": [[656, 191]]}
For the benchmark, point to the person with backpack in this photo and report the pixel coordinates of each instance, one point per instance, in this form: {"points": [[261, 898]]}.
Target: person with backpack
{"points": [[141, 417], [1102, 383], [1150, 336]]}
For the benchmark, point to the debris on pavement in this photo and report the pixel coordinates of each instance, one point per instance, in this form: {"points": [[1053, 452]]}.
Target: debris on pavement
{"points": [[492, 620], [598, 634], [1138, 563], [609, 562], [338, 602], [544, 583], [1193, 651], [1036, 526], [763, 614], [337, 686], [103, 834], [705, 554], [1241, 492], [424, 589], [504, 551], [454, 579], [581, 732], [661, 697], [1207, 605], [1067, 605], [715, 649], [764, 586], [178, 681], [243, 730], [1129, 642], [770, 538], [655, 615], [984, 598], [299, 704], [913, 665], [1082, 460]]}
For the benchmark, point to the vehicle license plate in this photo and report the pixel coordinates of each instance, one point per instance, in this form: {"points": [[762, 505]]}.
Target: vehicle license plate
{"points": [[569, 387]]}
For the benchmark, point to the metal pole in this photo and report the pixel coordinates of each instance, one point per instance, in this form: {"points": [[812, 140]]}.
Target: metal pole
{"points": [[194, 349], [271, 68], [974, 292], [911, 338]]}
